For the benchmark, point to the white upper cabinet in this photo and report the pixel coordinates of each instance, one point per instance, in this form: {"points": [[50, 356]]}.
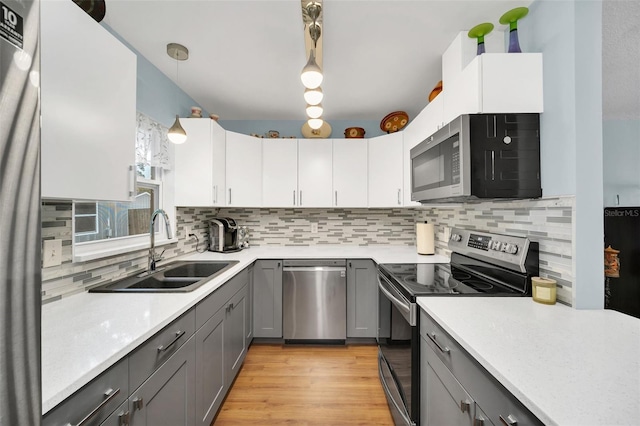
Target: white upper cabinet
{"points": [[200, 164], [244, 170], [497, 83], [88, 92], [315, 173], [385, 170], [279, 172], [350, 172]]}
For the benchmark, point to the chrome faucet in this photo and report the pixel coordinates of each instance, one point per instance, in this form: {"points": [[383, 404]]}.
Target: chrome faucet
{"points": [[153, 257]]}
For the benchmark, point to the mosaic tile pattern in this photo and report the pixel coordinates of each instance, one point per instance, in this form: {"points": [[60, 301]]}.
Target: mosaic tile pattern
{"points": [[547, 221], [71, 278]]}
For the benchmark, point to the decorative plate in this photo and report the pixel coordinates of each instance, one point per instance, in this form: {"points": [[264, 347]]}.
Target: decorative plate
{"points": [[322, 133], [394, 121]]}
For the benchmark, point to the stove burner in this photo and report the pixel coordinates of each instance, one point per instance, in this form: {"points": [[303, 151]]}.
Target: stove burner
{"points": [[479, 285], [460, 276], [411, 279]]}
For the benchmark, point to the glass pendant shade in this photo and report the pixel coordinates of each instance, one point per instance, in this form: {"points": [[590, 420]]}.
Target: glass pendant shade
{"points": [[315, 123], [176, 133], [311, 73], [313, 96], [314, 111]]}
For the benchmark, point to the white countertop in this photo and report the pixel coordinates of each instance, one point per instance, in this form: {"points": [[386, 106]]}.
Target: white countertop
{"points": [[85, 334], [568, 366]]}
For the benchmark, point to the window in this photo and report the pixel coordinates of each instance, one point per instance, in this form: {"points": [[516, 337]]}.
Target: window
{"points": [[102, 226], [103, 220]]}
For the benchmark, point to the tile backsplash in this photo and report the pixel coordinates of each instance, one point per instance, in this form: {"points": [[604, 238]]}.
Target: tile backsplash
{"points": [[547, 221]]}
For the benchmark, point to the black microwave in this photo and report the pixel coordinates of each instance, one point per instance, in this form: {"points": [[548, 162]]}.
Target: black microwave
{"points": [[479, 156]]}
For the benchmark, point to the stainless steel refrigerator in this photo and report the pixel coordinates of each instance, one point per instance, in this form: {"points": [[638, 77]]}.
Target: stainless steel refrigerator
{"points": [[20, 273]]}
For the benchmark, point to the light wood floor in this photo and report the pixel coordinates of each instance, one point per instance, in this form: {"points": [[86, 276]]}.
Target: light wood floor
{"points": [[307, 385]]}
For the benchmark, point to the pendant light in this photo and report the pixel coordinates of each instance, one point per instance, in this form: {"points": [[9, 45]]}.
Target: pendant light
{"points": [[313, 96], [311, 73], [315, 123], [176, 133], [314, 111]]}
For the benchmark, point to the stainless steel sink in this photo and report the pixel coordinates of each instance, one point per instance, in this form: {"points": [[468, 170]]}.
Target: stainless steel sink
{"points": [[183, 276]]}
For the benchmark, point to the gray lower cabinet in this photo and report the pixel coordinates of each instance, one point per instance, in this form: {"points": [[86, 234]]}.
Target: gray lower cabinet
{"points": [[250, 306], [120, 417], [221, 346], [362, 298], [457, 390], [446, 402], [168, 396], [210, 367], [92, 404], [267, 298]]}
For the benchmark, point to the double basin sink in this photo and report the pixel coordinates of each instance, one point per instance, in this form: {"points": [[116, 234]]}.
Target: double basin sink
{"points": [[176, 277]]}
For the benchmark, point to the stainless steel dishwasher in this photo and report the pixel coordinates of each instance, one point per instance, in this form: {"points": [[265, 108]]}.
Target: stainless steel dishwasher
{"points": [[314, 301]]}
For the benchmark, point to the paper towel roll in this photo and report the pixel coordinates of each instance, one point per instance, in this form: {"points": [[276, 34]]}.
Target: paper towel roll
{"points": [[425, 238]]}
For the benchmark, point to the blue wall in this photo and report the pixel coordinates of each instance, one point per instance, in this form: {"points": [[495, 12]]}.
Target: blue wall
{"points": [[157, 95], [569, 34], [293, 127], [621, 143]]}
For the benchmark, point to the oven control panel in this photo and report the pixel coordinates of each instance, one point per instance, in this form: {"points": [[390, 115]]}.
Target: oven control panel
{"points": [[507, 250]]}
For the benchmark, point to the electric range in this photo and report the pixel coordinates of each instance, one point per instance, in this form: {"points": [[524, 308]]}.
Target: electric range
{"points": [[482, 264]]}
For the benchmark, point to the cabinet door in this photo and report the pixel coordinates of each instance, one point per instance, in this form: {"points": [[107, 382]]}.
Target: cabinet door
{"points": [[267, 298], [385, 170], [249, 312], [350, 173], [120, 417], [362, 299], [279, 172], [168, 396], [235, 334], [197, 161], [315, 173], [446, 403], [244, 170], [211, 380], [88, 92]]}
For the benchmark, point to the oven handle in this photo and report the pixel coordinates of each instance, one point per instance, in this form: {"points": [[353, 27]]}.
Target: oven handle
{"points": [[406, 308]]}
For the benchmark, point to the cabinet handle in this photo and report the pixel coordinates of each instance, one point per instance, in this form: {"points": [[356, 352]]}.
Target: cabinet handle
{"points": [[179, 334], [465, 406], [336, 198], [509, 421], [350, 265], [138, 404], [294, 197], [301, 197], [215, 194], [479, 421], [399, 202], [229, 307], [444, 349], [133, 181], [229, 196], [278, 264], [123, 419], [109, 394]]}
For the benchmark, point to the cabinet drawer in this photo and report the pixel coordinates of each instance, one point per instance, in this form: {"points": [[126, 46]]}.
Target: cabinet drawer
{"points": [[158, 349], [216, 300], [95, 401], [488, 392]]}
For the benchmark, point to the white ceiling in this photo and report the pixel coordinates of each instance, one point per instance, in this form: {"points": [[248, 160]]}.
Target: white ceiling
{"points": [[246, 56], [378, 55]]}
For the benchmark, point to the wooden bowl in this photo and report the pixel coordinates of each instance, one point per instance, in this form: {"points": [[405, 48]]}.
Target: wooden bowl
{"points": [[436, 91], [354, 132]]}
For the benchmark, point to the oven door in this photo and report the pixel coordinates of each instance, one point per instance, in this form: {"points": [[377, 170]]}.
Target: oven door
{"points": [[398, 354]]}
